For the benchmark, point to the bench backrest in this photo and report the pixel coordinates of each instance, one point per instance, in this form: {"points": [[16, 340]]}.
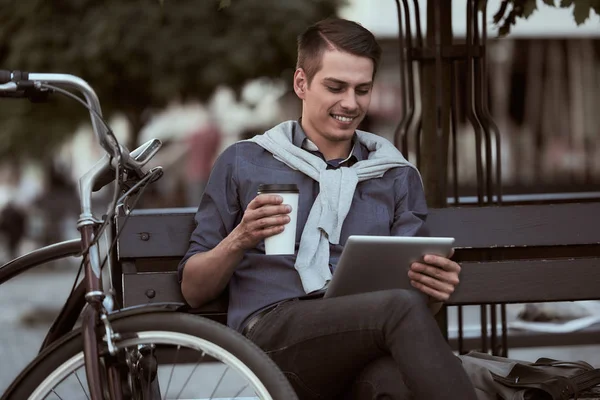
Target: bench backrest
{"points": [[508, 254]]}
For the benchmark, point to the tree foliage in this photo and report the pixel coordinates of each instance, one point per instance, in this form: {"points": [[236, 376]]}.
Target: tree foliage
{"points": [[511, 10], [140, 54]]}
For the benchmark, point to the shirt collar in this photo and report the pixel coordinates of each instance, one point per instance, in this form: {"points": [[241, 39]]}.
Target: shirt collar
{"points": [[299, 139]]}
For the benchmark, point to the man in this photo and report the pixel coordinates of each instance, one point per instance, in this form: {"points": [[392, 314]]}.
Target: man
{"points": [[367, 346]]}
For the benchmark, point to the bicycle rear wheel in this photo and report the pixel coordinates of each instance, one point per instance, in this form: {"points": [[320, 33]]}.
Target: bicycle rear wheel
{"points": [[196, 359]]}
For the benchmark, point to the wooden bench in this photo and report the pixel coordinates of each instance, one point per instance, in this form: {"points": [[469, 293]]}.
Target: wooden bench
{"points": [[509, 254]]}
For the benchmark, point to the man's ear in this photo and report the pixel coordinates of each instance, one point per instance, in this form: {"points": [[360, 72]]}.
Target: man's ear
{"points": [[300, 83]]}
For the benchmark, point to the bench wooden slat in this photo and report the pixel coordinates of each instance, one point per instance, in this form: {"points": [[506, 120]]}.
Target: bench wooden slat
{"points": [[522, 281], [151, 287], [163, 287], [527, 225], [156, 233], [481, 283], [165, 232]]}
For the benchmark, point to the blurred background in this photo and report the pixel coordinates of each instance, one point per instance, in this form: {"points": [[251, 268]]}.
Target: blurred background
{"points": [[202, 74]]}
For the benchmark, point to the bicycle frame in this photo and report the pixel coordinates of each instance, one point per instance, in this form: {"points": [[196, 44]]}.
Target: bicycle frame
{"points": [[39, 256], [95, 308], [86, 225], [67, 317]]}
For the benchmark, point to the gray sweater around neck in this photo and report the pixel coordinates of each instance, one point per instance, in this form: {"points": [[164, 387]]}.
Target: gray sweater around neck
{"points": [[336, 189]]}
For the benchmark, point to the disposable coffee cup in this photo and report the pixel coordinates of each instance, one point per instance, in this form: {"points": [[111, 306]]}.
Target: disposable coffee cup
{"points": [[284, 242]]}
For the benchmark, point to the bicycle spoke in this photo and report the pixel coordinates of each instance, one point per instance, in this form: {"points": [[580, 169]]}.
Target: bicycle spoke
{"points": [[56, 394], [240, 392], [191, 374], [219, 383], [171, 375], [82, 388]]}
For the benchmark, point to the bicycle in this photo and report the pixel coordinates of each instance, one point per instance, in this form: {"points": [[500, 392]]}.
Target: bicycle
{"points": [[124, 352]]}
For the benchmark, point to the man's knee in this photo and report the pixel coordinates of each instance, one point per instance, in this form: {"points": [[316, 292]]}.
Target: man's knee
{"points": [[405, 309], [405, 300], [379, 380]]}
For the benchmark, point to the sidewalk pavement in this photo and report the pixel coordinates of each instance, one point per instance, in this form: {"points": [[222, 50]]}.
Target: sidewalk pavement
{"points": [[30, 302]]}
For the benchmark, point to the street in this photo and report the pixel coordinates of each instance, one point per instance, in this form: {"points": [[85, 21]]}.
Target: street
{"points": [[32, 300]]}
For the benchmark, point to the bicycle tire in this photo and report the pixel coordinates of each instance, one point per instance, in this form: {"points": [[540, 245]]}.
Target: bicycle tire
{"points": [[59, 354]]}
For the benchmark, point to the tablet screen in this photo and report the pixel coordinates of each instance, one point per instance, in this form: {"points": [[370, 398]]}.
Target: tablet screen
{"points": [[372, 263]]}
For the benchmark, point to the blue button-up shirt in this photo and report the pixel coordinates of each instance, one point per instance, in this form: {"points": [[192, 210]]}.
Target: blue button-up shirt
{"points": [[393, 205]]}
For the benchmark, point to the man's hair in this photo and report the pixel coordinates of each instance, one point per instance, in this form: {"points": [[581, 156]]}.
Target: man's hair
{"points": [[339, 34]]}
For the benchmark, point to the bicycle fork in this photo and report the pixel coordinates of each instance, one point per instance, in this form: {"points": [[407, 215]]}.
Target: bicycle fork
{"points": [[92, 315]]}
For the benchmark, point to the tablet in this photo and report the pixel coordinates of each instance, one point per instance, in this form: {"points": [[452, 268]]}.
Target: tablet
{"points": [[372, 263]]}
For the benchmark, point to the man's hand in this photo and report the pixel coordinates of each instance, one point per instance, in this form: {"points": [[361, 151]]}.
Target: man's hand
{"points": [[264, 217], [206, 274], [436, 277]]}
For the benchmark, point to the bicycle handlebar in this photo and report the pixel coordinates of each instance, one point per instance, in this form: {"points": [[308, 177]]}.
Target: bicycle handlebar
{"points": [[32, 86], [74, 82], [23, 84]]}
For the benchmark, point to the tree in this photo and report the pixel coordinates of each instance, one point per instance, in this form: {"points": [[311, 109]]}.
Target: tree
{"points": [[139, 54], [525, 8]]}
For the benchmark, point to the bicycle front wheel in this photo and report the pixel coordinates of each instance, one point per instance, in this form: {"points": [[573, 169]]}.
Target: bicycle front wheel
{"points": [[165, 355]]}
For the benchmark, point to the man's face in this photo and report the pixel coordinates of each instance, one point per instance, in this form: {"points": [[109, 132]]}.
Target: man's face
{"points": [[338, 97]]}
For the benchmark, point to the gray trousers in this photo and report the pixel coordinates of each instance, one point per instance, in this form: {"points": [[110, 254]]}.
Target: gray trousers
{"points": [[379, 345]]}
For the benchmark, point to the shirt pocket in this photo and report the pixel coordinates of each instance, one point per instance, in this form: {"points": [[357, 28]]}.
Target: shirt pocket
{"points": [[366, 217]]}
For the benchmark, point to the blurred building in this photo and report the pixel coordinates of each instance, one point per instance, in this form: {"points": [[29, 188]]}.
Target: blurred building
{"points": [[544, 88]]}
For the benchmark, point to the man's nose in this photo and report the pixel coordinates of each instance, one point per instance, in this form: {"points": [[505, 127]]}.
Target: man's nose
{"points": [[349, 101]]}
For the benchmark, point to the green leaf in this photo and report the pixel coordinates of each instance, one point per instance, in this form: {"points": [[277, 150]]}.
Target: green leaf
{"points": [[528, 8], [501, 11], [549, 2], [504, 30], [224, 4], [581, 11], [183, 50]]}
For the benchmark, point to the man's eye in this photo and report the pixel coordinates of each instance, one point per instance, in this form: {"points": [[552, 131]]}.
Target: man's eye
{"points": [[334, 89], [362, 92]]}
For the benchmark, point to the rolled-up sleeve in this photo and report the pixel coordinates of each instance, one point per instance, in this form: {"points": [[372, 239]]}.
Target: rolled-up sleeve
{"points": [[410, 211], [219, 210]]}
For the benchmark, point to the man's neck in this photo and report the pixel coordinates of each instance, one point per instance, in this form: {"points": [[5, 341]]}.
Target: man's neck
{"points": [[330, 150]]}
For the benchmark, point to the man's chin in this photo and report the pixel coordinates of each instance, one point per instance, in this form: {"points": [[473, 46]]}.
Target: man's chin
{"points": [[342, 135], [347, 130]]}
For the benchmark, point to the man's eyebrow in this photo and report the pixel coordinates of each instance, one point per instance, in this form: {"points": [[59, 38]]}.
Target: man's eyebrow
{"points": [[340, 82]]}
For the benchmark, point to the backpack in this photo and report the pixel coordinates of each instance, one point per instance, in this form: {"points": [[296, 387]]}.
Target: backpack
{"points": [[546, 379]]}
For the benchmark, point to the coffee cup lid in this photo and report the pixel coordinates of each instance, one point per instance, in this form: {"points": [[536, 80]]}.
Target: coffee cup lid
{"points": [[277, 188]]}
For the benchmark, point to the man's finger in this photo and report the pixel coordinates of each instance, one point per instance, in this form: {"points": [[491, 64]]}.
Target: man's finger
{"points": [[268, 222], [441, 296], [433, 283], [441, 262], [263, 199], [269, 211], [440, 274]]}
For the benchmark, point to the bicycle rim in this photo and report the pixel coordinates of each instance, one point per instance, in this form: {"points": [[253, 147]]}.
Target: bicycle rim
{"points": [[49, 387], [197, 359]]}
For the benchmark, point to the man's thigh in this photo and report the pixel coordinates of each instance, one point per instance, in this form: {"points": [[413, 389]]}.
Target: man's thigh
{"points": [[323, 345], [379, 380]]}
